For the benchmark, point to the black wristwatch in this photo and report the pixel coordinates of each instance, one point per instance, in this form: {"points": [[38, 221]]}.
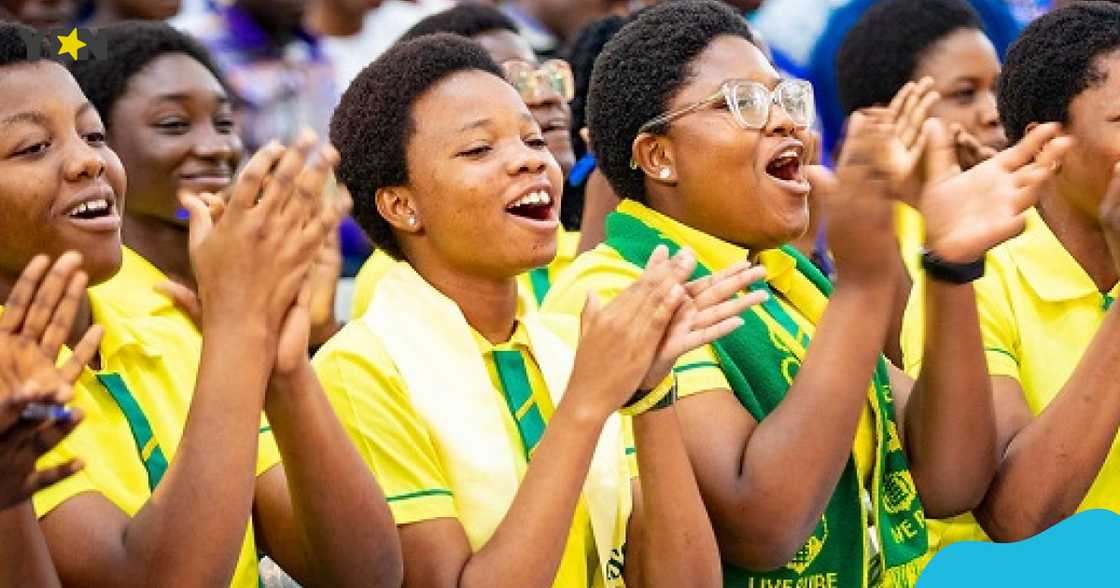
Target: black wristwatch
{"points": [[953, 273]]}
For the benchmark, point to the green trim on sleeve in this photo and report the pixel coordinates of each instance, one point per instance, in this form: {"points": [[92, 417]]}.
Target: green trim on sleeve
{"points": [[420, 494], [265, 430], [695, 366], [1003, 351]]}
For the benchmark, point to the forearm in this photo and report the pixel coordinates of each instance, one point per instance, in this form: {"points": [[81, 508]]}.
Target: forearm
{"points": [[344, 529], [677, 547], [535, 529], [949, 425], [195, 521], [776, 506], [1049, 466], [25, 561]]}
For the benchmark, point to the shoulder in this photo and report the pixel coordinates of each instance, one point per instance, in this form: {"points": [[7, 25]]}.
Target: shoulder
{"points": [[601, 270]]}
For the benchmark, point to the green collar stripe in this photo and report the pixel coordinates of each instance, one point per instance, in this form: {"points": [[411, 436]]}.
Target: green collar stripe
{"points": [[760, 371], [538, 277], [147, 446], [1108, 301], [518, 392]]}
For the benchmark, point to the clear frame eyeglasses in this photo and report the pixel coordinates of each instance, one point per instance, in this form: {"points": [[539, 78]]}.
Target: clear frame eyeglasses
{"points": [[749, 103]]}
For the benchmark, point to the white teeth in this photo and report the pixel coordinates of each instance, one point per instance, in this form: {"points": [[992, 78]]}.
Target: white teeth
{"points": [[538, 197], [98, 205]]}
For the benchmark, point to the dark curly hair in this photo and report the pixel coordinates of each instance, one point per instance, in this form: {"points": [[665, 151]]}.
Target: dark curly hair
{"points": [[1054, 60], [466, 20], [639, 72], [373, 123], [881, 51], [134, 44], [13, 49], [585, 50]]}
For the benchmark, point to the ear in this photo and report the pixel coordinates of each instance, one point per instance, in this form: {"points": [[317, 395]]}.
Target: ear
{"points": [[653, 154], [397, 205]]}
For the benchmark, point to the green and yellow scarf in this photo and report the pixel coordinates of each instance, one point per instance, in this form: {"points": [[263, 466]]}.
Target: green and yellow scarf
{"points": [[760, 360]]}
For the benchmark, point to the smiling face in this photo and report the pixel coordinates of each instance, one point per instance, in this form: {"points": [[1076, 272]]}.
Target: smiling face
{"points": [[964, 67], [60, 185], [483, 182], [551, 112], [741, 185], [1094, 124], [173, 128]]}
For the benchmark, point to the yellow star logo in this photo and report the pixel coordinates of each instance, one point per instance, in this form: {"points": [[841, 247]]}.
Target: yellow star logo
{"points": [[70, 44]]}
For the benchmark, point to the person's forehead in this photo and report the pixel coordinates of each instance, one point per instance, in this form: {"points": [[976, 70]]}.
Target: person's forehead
{"points": [[503, 46], [727, 57], [37, 86], [464, 98], [174, 74]]}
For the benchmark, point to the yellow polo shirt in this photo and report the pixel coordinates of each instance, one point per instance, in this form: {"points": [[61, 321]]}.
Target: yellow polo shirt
{"points": [[1038, 312], [910, 229], [132, 291], [141, 394], [604, 271], [372, 402], [531, 285]]}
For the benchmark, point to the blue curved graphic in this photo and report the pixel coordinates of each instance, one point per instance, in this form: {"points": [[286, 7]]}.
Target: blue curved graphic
{"points": [[1074, 552]]}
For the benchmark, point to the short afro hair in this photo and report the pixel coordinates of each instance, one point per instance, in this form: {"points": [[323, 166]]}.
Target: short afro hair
{"points": [[134, 44], [373, 123], [881, 51], [13, 48], [585, 50], [1054, 60], [466, 20], [639, 72]]}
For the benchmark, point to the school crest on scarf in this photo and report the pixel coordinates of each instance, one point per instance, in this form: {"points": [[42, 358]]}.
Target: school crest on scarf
{"points": [[760, 360]]}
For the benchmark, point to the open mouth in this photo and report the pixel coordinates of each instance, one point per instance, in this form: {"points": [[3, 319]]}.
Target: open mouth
{"points": [[535, 206], [786, 165], [91, 209]]}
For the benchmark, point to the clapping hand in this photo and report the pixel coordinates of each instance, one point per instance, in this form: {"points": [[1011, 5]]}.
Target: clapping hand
{"points": [[968, 213], [38, 316]]}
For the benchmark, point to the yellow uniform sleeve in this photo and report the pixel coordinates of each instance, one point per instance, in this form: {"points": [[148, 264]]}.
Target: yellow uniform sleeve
{"points": [[370, 399], [49, 498], [998, 331]]}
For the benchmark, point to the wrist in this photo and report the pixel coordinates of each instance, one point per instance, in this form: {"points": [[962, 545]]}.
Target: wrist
{"points": [[661, 396], [939, 269]]}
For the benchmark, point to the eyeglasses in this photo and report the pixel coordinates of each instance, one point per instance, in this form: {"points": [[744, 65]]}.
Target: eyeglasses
{"points": [[749, 103], [534, 83]]}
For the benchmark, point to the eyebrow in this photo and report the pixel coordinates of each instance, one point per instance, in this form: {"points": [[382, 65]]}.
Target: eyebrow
{"points": [[180, 97], [32, 117], [38, 118], [486, 121]]}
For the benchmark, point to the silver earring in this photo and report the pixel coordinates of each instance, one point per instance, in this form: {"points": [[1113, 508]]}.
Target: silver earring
{"points": [[665, 173], [411, 220]]}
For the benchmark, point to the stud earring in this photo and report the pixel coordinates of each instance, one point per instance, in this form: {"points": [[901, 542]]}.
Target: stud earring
{"points": [[411, 220], [665, 173]]}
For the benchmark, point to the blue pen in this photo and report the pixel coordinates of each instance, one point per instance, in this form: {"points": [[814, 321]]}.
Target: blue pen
{"points": [[40, 411]]}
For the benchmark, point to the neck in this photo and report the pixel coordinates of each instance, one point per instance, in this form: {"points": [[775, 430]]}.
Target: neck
{"points": [[488, 304], [164, 244], [673, 206], [82, 321], [1081, 236], [329, 18]]}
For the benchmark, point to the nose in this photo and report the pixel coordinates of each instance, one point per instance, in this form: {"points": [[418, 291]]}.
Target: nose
{"points": [[214, 145], [989, 111], [528, 160], [83, 162], [779, 122]]}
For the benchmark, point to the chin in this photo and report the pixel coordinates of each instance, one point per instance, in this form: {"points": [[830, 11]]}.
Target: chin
{"points": [[102, 266]]}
